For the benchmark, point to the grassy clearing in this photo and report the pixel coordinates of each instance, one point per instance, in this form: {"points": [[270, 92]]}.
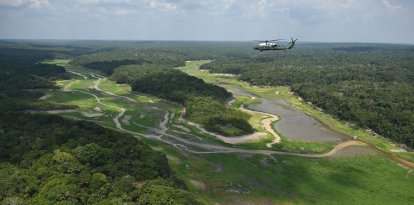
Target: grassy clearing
{"points": [[63, 83], [255, 119], [145, 112], [59, 62], [119, 89], [125, 90]]}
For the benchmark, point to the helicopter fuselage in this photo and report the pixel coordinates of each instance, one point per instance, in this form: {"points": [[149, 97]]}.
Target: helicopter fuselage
{"points": [[268, 47]]}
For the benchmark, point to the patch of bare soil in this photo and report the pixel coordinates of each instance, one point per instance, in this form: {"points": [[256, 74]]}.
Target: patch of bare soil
{"points": [[351, 151], [126, 119], [91, 114]]}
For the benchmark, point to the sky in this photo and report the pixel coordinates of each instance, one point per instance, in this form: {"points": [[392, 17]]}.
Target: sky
{"points": [[383, 21]]}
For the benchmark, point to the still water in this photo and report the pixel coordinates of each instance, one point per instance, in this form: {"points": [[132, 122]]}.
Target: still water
{"points": [[295, 124]]}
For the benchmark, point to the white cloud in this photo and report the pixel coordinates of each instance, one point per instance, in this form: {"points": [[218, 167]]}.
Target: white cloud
{"points": [[11, 3], [264, 8], [391, 7], [124, 11], [156, 4], [260, 8], [37, 4], [104, 1]]}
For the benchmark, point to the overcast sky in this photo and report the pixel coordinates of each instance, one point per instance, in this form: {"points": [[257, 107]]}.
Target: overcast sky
{"points": [[390, 21]]}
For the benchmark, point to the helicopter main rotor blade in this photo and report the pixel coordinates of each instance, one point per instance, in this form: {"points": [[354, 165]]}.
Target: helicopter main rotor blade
{"points": [[277, 40], [266, 41]]}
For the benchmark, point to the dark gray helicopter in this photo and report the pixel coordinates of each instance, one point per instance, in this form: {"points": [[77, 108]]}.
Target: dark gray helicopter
{"points": [[269, 45]]}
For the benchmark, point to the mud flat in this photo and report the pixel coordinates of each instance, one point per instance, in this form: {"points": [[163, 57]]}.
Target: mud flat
{"points": [[60, 111], [91, 114]]}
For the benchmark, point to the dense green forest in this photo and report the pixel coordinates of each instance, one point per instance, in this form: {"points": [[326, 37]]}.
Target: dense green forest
{"points": [[22, 77], [217, 117], [47, 159], [371, 85], [205, 103], [108, 61]]}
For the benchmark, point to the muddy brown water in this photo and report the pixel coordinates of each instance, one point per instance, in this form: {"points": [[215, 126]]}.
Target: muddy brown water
{"points": [[295, 124]]}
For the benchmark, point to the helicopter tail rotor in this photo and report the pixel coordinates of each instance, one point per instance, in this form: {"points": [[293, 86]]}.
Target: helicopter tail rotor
{"points": [[292, 43]]}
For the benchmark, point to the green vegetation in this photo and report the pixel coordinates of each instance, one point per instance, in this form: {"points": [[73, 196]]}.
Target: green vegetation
{"points": [[284, 92], [109, 66], [48, 160], [204, 102], [217, 117], [230, 82], [108, 61], [231, 178], [283, 180], [372, 88], [166, 83], [22, 77]]}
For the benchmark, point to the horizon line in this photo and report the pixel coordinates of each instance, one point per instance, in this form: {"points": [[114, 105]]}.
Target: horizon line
{"points": [[182, 40]]}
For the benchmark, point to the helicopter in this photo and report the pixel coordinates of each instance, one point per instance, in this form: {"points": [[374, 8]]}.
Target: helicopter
{"points": [[270, 45]]}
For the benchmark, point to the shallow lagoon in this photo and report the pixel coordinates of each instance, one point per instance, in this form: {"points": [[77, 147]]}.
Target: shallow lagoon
{"points": [[295, 124]]}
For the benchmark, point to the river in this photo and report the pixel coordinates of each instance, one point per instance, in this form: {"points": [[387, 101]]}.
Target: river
{"points": [[294, 124]]}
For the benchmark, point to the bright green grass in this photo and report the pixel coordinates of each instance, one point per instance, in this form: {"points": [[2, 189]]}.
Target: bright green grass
{"points": [[63, 83], [84, 85], [125, 90], [82, 100], [147, 111], [140, 114], [115, 88], [59, 62], [255, 119]]}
